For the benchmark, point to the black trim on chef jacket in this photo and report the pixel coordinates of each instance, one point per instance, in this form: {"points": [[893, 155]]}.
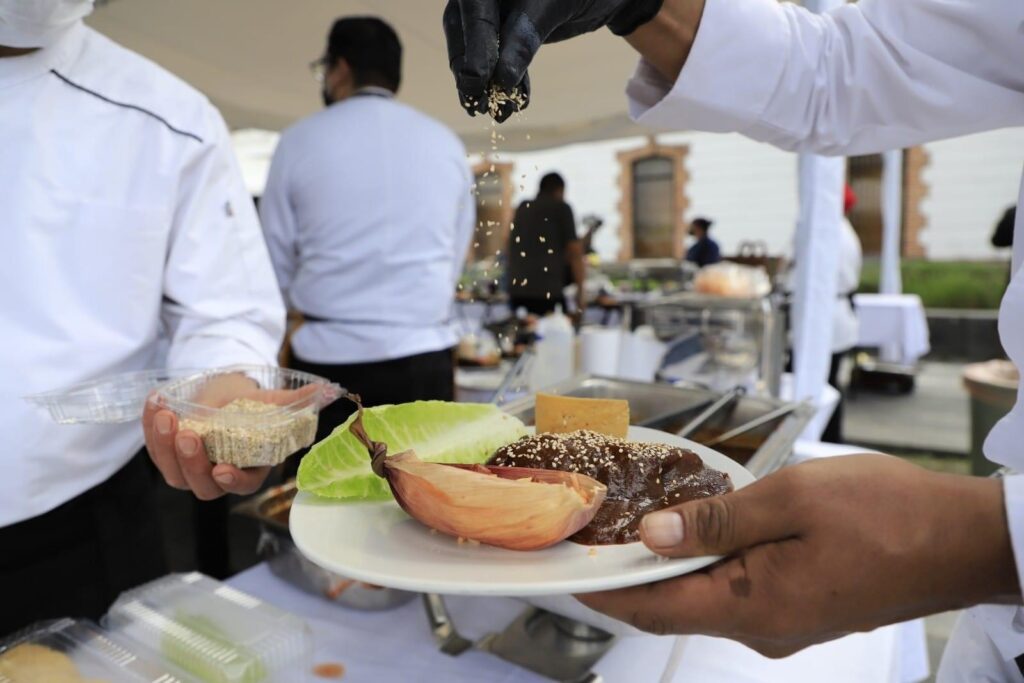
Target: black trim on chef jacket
{"points": [[126, 105]]}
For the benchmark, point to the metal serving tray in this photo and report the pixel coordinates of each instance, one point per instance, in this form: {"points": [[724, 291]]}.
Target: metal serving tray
{"points": [[271, 509], [670, 407]]}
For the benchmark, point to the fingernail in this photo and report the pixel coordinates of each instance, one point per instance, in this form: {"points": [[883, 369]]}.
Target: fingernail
{"points": [[225, 478], [188, 446], [163, 424], [663, 529]]}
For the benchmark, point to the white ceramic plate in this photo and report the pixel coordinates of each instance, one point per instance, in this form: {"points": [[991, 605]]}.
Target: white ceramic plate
{"points": [[378, 543]]}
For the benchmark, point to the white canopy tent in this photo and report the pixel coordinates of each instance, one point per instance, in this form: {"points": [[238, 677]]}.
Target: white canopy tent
{"points": [[892, 222], [250, 57]]}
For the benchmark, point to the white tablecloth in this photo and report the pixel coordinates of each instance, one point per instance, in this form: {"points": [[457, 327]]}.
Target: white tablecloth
{"points": [[895, 324], [397, 646]]}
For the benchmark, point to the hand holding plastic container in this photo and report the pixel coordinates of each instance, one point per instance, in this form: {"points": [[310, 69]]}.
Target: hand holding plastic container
{"points": [[246, 416], [241, 418]]}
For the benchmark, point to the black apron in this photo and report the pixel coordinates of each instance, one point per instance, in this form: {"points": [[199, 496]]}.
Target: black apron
{"points": [[76, 559]]}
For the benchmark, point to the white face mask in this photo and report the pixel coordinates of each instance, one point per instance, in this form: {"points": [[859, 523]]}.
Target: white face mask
{"points": [[38, 23]]}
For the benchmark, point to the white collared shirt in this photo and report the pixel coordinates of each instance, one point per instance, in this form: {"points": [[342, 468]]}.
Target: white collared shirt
{"points": [[368, 213], [867, 77], [124, 222]]}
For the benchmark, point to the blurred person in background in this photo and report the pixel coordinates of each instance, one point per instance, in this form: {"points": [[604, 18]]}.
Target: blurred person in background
{"points": [[704, 251], [543, 244], [845, 326], [1002, 236], [126, 224], [368, 214]]}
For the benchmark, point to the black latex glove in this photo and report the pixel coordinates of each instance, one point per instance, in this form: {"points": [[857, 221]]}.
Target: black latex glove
{"points": [[475, 29]]}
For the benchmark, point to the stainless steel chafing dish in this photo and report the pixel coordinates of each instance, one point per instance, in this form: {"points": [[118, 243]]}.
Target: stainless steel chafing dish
{"points": [[734, 335], [670, 408], [271, 509]]}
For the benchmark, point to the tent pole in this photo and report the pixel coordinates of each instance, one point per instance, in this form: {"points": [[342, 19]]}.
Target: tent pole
{"points": [[892, 224], [817, 261]]}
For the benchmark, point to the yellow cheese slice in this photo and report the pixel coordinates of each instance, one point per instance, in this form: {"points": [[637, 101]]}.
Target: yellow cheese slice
{"points": [[561, 414]]}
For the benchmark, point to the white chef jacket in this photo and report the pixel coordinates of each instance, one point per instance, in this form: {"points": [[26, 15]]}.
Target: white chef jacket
{"points": [[123, 220], [845, 326], [868, 77], [368, 213]]}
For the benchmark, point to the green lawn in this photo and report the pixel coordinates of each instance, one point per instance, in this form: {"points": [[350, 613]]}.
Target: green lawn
{"points": [[947, 284], [938, 463]]}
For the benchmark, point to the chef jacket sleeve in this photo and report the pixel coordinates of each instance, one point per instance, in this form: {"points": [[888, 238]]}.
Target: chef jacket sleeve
{"points": [[1013, 499], [278, 219], [221, 301], [863, 78]]}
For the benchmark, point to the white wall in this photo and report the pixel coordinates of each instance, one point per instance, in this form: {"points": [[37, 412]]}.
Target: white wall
{"points": [[750, 189], [747, 188], [971, 181]]}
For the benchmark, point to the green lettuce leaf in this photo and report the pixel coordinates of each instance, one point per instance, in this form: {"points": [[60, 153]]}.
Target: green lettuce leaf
{"points": [[339, 466]]}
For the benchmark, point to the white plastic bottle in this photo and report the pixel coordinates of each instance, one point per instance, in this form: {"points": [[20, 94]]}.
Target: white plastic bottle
{"points": [[555, 351]]}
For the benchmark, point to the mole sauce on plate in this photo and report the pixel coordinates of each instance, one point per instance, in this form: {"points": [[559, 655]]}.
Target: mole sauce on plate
{"points": [[641, 477]]}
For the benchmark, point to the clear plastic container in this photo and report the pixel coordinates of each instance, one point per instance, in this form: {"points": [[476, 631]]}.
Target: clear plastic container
{"points": [[243, 415], [70, 650], [213, 632], [108, 400]]}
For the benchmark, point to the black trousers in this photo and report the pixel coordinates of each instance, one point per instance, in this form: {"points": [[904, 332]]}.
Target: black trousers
{"points": [[834, 429], [76, 559], [423, 377]]}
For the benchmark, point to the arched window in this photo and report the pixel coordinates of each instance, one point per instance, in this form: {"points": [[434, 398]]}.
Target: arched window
{"points": [[653, 183], [493, 209], [653, 206], [864, 174]]}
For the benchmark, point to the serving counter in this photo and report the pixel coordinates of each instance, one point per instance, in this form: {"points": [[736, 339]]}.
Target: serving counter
{"points": [[397, 645]]}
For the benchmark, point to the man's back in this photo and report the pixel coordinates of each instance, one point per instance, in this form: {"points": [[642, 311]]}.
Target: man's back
{"points": [[368, 216], [538, 244]]}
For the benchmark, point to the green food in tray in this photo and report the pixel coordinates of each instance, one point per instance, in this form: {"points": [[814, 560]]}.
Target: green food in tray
{"points": [[197, 645]]}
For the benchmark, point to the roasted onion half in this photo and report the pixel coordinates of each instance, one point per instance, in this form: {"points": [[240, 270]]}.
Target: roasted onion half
{"points": [[517, 508]]}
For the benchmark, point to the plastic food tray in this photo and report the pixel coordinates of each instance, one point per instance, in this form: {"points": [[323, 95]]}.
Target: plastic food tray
{"points": [[213, 632], [109, 400], [249, 439], [94, 654]]}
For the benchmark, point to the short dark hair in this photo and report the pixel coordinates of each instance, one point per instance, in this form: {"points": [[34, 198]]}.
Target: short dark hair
{"points": [[703, 223], [551, 183], [370, 47]]}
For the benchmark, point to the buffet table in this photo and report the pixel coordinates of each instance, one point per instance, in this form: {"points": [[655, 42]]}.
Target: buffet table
{"points": [[895, 324], [397, 646]]}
